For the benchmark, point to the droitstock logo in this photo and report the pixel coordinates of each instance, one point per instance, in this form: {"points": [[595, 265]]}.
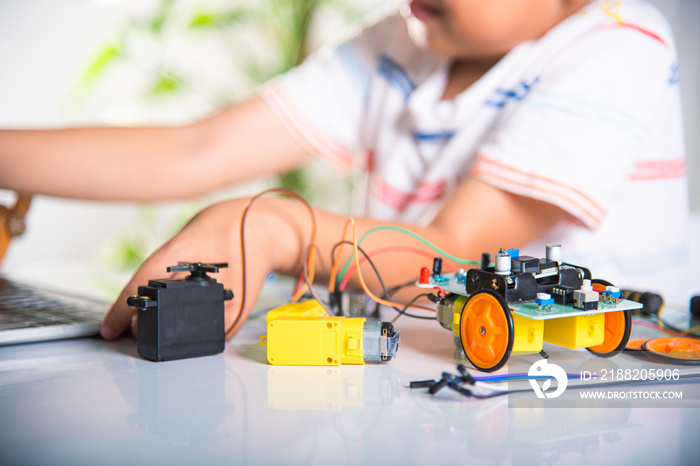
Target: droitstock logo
{"points": [[542, 369]]}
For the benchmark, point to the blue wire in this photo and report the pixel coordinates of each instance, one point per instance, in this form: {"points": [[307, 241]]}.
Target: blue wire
{"points": [[519, 376]]}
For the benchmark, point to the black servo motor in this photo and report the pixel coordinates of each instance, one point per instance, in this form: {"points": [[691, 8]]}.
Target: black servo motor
{"points": [[181, 318]]}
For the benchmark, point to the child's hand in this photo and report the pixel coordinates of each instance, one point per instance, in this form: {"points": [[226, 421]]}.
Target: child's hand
{"points": [[213, 235]]}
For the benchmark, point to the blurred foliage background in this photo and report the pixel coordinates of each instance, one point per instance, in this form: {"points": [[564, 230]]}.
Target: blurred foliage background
{"points": [[214, 54]]}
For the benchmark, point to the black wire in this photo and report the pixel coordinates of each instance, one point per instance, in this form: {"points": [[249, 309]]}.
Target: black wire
{"points": [[393, 290], [337, 279], [410, 303], [305, 273], [396, 288], [369, 261], [387, 294]]}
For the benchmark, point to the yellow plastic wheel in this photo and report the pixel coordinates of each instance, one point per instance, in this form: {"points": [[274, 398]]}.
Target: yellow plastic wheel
{"points": [[673, 350], [635, 345], [618, 325], [486, 330]]}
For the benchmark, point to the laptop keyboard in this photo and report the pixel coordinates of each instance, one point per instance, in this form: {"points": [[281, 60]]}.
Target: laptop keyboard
{"points": [[25, 307]]}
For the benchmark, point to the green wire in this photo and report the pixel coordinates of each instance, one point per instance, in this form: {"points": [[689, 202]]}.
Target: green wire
{"points": [[409, 233]]}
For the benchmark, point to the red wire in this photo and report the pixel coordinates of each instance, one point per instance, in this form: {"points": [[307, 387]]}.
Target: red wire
{"points": [[300, 283]]}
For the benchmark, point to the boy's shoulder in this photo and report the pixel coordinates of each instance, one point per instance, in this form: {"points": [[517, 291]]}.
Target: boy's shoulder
{"points": [[631, 19]]}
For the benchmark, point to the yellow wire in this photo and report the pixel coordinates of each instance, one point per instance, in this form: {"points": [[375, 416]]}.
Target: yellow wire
{"points": [[365, 288], [336, 260]]}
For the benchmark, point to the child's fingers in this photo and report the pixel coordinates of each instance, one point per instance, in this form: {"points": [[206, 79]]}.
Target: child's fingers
{"points": [[135, 326], [206, 238], [120, 316]]}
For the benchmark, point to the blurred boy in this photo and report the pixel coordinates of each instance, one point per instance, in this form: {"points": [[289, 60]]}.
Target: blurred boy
{"points": [[479, 123]]}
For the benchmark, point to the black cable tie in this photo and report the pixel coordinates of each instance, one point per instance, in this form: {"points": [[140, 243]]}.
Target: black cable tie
{"points": [[466, 377], [422, 384], [438, 386]]}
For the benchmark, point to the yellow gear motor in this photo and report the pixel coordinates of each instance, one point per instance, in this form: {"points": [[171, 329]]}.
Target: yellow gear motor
{"points": [[302, 334]]}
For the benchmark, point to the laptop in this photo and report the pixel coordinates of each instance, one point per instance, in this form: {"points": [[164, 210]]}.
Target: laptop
{"points": [[29, 314]]}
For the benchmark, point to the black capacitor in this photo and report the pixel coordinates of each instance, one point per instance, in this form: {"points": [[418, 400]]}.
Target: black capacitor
{"points": [[485, 260], [437, 266], [695, 306]]}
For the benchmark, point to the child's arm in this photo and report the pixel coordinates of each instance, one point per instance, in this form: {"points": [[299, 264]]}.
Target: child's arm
{"points": [[149, 163], [477, 218]]}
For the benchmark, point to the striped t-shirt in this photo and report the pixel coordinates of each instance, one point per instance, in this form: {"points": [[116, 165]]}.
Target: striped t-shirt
{"points": [[587, 118]]}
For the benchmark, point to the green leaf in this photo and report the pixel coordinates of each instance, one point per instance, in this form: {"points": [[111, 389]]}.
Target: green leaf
{"points": [[164, 9], [104, 58], [166, 84], [128, 252], [212, 20], [296, 180]]}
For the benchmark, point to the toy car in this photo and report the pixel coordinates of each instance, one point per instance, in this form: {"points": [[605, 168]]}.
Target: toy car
{"points": [[519, 302]]}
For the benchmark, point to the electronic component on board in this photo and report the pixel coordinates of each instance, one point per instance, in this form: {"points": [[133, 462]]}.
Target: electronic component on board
{"points": [[563, 294], [437, 267], [610, 296], [544, 302], [585, 298], [181, 318]]}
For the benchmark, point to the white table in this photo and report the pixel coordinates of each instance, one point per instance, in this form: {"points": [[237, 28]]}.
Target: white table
{"points": [[89, 401]]}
